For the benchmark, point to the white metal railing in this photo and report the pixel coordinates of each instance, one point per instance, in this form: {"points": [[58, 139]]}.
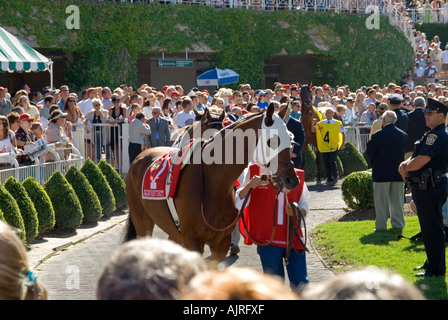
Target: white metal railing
{"points": [[428, 15], [41, 171]]}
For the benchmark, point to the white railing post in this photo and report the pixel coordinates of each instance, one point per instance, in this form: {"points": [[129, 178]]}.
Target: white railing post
{"points": [[125, 145]]}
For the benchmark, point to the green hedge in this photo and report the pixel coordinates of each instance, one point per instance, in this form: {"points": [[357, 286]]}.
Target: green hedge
{"points": [[100, 186], [2, 217], [116, 183], [42, 203], [67, 208], [26, 206], [91, 206], [357, 190], [352, 160], [110, 34], [11, 212]]}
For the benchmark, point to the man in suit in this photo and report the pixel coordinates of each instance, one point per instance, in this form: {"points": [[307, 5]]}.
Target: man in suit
{"points": [[160, 131], [296, 128], [417, 125], [395, 100], [386, 151]]}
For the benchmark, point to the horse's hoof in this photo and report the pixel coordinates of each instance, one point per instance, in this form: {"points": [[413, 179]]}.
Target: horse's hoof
{"points": [[318, 182], [234, 249]]}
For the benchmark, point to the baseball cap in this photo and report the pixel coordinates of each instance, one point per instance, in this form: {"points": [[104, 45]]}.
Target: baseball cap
{"points": [[26, 116]]}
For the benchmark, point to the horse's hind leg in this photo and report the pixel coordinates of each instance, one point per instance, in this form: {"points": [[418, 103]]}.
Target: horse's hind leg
{"points": [[143, 224]]}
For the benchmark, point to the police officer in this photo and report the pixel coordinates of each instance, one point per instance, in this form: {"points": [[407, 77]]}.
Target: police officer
{"points": [[426, 170]]}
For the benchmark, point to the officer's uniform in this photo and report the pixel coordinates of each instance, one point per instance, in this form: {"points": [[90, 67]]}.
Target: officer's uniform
{"points": [[430, 190]]}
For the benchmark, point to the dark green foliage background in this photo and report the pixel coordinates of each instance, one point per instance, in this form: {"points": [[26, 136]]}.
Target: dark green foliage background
{"points": [[104, 51]]}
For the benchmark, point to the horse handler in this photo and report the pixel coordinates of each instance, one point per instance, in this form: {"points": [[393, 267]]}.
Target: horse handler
{"points": [[272, 220]]}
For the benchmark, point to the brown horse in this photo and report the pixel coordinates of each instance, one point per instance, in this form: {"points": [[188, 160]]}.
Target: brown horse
{"points": [[205, 196], [309, 118]]}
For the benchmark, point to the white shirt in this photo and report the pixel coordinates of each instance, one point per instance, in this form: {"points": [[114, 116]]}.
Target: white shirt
{"points": [[86, 106], [185, 119], [420, 72], [147, 111], [6, 143], [445, 53]]}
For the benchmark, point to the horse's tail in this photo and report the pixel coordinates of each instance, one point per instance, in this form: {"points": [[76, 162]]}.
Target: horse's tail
{"points": [[129, 230]]}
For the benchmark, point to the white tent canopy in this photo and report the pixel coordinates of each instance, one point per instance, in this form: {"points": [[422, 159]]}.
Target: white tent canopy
{"points": [[16, 56]]}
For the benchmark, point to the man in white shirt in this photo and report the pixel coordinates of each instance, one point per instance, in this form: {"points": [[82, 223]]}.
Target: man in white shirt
{"points": [[371, 98], [186, 116], [419, 72], [87, 105], [107, 98], [444, 58]]}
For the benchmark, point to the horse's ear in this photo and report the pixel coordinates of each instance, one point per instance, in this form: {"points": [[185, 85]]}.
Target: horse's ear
{"points": [[269, 120], [310, 83], [283, 111], [207, 115], [299, 85], [196, 112], [222, 116]]}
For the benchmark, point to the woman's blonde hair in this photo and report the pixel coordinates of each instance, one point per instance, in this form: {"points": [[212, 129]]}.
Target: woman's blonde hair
{"points": [[17, 281]]}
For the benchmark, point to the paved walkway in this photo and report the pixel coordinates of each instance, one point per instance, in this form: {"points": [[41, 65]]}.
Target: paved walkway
{"points": [[325, 204]]}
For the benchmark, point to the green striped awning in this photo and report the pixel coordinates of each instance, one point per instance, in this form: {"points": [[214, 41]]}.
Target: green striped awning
{"points": [[16, 56]]}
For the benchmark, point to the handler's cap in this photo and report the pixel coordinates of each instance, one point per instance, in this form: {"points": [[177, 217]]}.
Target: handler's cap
{"points": [[433, 104], [395, 98]]}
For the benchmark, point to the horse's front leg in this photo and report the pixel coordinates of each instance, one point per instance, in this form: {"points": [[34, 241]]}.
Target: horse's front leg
{"points": [[219, 249]]}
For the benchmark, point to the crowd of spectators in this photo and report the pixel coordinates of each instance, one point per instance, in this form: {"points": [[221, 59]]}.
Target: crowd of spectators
{"points": [[54, 114]]}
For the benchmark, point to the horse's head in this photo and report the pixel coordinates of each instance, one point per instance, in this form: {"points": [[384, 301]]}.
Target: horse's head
{"points": [[306, 94], [210, 122], [273, 148]]}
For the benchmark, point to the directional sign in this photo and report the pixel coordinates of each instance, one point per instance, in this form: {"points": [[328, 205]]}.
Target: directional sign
{"points": [[165, 63]]}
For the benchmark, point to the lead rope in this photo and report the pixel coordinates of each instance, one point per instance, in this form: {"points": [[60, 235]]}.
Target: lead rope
{"points": [[292, 230]]}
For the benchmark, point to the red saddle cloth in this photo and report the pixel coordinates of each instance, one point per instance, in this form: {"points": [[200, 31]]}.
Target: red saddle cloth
{"points": [[158, 182]]}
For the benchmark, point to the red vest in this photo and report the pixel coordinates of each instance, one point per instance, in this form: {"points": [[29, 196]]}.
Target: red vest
{"points": [[260, 217]]}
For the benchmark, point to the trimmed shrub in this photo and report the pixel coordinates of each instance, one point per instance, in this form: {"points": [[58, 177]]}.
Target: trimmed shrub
{"points": [[100, 186], [352, 159], [357, 190], [91, 206], [364, 154], [42, 203], [26, 206], [2, 218], [11, 212], [310, 164], [116, 183], [66, 205], [311, 167]]}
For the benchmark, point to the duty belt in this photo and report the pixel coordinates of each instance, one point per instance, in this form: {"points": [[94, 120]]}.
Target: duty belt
{"points": [[427, 178]]}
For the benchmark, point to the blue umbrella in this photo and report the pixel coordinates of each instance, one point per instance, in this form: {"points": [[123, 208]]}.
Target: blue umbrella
{"points": [[216, 77]]}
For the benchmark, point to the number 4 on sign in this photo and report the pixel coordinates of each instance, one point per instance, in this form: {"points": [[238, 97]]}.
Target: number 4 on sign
{"points": [[327, 137]]}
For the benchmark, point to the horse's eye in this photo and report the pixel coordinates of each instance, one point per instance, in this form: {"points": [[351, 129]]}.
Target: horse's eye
{"points": [[273, 142]]}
